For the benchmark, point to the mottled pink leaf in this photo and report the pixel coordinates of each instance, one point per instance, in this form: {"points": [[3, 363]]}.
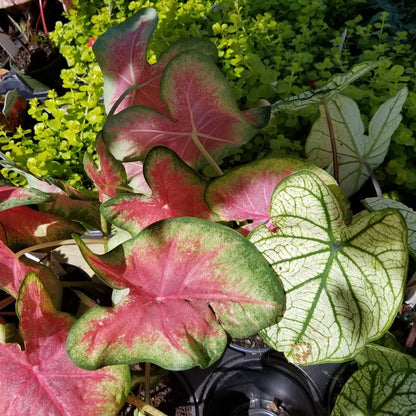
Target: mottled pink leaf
{"points": [[205, 115], [41, 380], [244, 193], [190, 282], [121, 54], [13, 270], [136, 179], [11, 196], [177, 191], [109, 176], [24, 227]]}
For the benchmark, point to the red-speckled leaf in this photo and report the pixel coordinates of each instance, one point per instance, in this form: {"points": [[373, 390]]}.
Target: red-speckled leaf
{"points": [[136, 179], [14, 270], [41, 380], [24, 227], [206, 118], [121, 54], [12, 196], [109, 176], [244, 193], [177, 191], [190, 282]]}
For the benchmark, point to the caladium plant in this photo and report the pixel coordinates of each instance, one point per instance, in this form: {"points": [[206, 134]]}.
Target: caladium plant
{"points": [[269, 247]]}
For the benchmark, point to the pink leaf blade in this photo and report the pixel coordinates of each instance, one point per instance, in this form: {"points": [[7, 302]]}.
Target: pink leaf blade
{"points": [[204, 113], [41, 379], [176, 191], [11, 197], [244, 193], [190, 283]]}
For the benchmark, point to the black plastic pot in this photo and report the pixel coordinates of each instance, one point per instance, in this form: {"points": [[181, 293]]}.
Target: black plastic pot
{"points": [[26, 86], [262, 384]]}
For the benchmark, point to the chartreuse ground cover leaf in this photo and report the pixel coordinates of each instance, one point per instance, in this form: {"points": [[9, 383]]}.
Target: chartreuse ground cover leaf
{"points": [[385, 384], [40, 379], [378, 203], [343, 284], [191, 282], [244, 193], [177, 190], [357, 154], [205, 121], [121, 54]]}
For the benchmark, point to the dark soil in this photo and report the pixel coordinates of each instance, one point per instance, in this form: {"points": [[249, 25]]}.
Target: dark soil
{"points": [[254, 342], [35, 56]]}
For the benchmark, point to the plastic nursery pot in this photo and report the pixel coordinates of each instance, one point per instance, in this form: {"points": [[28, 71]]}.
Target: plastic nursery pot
{"points": [[259, 385]]}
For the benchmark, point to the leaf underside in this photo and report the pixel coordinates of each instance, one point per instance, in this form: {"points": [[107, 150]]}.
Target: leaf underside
{"points": [[190, 283], [344, 284]]}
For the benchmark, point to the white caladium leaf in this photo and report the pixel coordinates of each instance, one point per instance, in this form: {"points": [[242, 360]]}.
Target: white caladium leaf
{"points": [[378, 203], [336, 84], [343, 284], [385, 384]]}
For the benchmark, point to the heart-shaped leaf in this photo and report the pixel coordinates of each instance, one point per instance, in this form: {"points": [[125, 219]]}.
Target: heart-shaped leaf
{"points": [[109, 176], [190, 282], [206, 121], [176, 191], [135, 178], [384, 385], [121, 54], [378, 203], [244, 193], [24, 227], [11, 197], [357, 154], [343, 284], [14, 270], [41, 379]]}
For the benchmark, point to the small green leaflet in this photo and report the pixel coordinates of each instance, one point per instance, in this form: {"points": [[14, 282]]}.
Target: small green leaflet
{"points": [[377, 203], [385, 384], [357, 153], [344, 284]]}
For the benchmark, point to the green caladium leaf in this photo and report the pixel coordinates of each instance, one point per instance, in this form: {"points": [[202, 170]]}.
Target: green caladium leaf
{"points": [[12, 196], [335, 85], [190, 282], [244, 193], [205, 120], [41, 380], [385, 384], [343, 284], [121, 54], [378, 203], [357, 153], [176, 191]]}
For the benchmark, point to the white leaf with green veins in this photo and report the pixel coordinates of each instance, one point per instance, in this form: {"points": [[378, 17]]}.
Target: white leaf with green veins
{"points": [[378, 203], [356, 152], [385, 384], [343, 284], [336, 84]]}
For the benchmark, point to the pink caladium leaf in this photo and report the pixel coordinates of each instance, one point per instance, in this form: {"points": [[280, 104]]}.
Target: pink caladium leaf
{"points": [[13, 270], [23, 227], [110, 176], [41, 380], [206, 121], [190, 282], [244, 193], [11, 196], [121, 54], [177, 191], [136, 179]]}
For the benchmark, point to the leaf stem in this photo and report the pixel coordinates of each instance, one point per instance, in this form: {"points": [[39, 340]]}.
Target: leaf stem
{"points": [[147, 371], [6, 302], [140, 404], [333, 142], [205, 153], [121, 98], [57, 243], [374, 180]]}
